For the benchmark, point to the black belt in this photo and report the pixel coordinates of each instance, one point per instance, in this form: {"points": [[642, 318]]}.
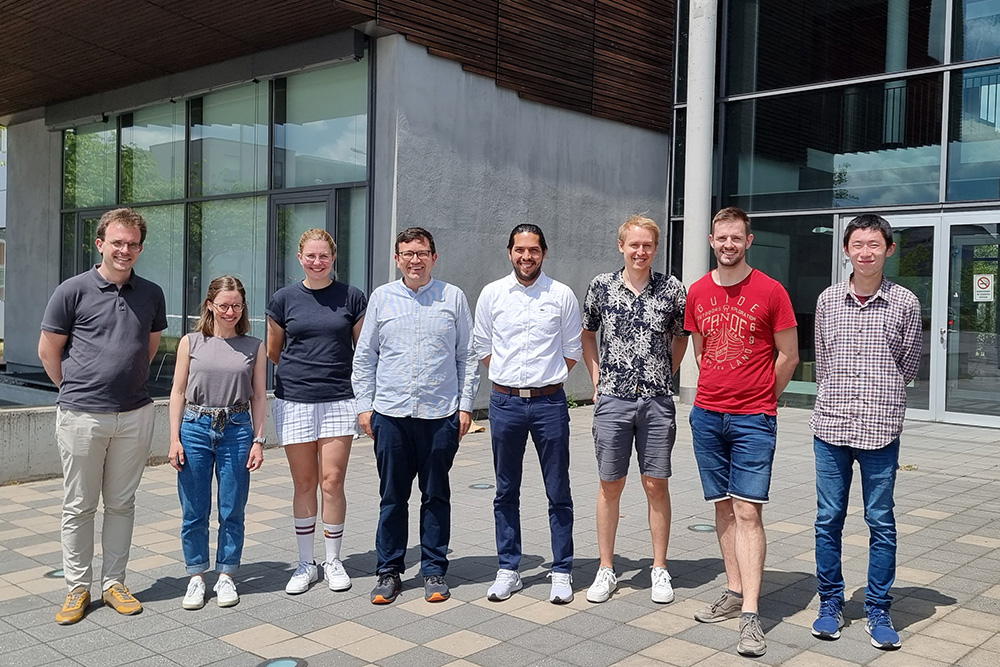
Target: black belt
{"points": [[529, 392]]}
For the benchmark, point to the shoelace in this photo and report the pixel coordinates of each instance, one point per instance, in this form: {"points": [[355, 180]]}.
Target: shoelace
{"points": [[606, 576], [560, 578], [879, 618], [829, 607], [721, 601], [121, 593], [303, 568], [661, 576], [506, 577], [195, 586], [336, 567], [385, 578], [435, 579], [75, 599], [753, 629], [225, 585]]}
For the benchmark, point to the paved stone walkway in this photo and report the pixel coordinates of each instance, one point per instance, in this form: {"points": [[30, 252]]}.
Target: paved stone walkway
{"points": [[947, 588]]}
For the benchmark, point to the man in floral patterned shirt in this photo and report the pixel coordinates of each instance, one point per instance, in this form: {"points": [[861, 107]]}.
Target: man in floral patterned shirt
{"points": [[641, 317]]}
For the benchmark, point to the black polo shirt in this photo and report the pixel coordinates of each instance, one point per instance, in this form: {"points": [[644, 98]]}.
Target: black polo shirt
{"points": [[105, 363]]}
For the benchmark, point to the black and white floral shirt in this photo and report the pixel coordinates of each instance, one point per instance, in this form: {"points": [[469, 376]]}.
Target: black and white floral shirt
{"points": [[636, 333]]}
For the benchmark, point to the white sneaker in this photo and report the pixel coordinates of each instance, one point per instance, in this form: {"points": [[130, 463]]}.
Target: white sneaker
{"points": [[605, 583], [195, 596], [562, 588], [507, 582], [305, 575], [225, 592], [336, 576], [663, 592]]}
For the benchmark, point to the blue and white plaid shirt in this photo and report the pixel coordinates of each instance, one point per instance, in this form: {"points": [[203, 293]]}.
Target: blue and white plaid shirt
{"points": [[866, 354]]}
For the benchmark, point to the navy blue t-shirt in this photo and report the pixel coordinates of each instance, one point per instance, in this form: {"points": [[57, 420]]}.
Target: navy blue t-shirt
{"points": [[315, 366]]}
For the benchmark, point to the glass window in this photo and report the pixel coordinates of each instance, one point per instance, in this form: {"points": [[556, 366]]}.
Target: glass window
{"points": [[321, 126], [90, 165], [784, 43], [152, 154], [680, 145], [683, 17], [229, 237], [352, 236], [294, 218], [796, 251], [872, 144], [974, 135], [229, 141], [976, 29]]}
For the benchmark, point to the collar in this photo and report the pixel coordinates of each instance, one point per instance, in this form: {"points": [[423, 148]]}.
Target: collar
{"points": [[542, 282], [655, 278], [105, 284], [884, 292], [420, 290]]}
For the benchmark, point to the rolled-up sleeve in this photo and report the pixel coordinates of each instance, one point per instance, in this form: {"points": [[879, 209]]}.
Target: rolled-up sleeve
{"points": [[572, 328]]}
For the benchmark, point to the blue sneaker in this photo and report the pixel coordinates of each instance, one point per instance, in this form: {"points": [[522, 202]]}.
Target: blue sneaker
{"points": [[879, 626], [830, 620]]}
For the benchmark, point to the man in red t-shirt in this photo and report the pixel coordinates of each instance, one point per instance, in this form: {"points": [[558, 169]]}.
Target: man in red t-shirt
{"points": [[738, 317]]}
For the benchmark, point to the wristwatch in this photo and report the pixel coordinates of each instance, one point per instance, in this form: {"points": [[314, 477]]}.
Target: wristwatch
{"points": [[262, 440]]}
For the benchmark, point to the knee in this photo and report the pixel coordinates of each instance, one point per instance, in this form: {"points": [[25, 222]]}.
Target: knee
{"points": [[748, 514], [612, 491], [657, 490], [304, 483], [333, 483]]}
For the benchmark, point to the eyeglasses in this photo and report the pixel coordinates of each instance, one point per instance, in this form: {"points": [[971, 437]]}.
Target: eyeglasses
{"points": [[121, 245], [226, 307], [407, 255]]}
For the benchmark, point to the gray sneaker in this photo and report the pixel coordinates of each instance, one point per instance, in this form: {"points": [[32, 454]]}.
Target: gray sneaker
{"points": [[751, 636], [727, 606]]}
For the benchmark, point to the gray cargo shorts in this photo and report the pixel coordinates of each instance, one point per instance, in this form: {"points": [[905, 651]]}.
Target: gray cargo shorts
{"points": [[649, 422]]}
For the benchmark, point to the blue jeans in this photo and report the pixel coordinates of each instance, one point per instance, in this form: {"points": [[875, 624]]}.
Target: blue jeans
{"points": [[834, 469], [407, 447], [734, 454], [224, 453], [546, 418]]}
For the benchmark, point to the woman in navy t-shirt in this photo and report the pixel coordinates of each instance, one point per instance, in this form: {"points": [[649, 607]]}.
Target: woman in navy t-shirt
{"points": [[312, 327]]}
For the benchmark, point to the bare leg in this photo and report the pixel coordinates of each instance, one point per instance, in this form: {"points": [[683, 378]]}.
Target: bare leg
{"points": [[658, 496], [304, 466], [751, 548], [333, 457], [725, 528], [608, 507]]}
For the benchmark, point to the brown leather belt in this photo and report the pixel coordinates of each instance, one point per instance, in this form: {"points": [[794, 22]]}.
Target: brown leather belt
{"points": [[530, 392]]}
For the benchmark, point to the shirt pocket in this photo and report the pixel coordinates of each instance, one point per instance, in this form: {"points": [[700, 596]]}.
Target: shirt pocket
{"points": [[547, 320], [440, 332]]}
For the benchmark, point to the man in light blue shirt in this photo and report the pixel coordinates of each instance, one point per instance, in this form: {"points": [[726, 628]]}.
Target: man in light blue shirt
{"points": [[415, 377]]}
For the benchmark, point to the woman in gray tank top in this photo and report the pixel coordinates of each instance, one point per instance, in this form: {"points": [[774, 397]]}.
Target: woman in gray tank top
{"points": [[217, 410]]}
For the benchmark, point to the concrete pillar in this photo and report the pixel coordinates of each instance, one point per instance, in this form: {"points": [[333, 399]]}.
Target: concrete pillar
{"points": [[698, 161], [896, 36]]}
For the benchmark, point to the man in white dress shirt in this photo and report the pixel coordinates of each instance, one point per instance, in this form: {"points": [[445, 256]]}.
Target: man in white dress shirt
{"points": [[527, 334]]}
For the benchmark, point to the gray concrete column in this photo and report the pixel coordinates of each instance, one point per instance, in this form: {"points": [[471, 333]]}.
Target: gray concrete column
{"points": [[896, 36], [698, 158]]}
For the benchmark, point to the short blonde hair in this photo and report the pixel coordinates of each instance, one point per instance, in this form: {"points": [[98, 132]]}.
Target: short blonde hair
{"points": [[639, 222], [315, 234]]}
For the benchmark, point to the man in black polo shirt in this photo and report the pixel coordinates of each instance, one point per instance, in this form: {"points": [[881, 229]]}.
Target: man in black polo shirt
{"points": [[99, 333]]}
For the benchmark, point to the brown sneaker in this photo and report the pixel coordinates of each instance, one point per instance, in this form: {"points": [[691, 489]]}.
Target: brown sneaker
{"points": [[118, 598], [74, 607]]}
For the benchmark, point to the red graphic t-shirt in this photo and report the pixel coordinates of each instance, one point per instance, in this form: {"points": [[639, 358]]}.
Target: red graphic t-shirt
{"points": [[738, 324]]}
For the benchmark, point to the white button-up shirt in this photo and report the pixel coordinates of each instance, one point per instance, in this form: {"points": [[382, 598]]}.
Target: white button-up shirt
{"points": [[528, 332]]}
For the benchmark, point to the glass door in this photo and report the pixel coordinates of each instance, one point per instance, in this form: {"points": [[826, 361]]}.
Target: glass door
{"points": [[968, 338]]}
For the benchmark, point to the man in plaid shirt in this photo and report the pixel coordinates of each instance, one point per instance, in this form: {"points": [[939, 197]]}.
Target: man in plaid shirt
{"points": [[868, 342]]}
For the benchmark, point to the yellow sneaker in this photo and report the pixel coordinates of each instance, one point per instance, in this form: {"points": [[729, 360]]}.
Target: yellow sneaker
{"points": [[118, 598], [74, 607]]}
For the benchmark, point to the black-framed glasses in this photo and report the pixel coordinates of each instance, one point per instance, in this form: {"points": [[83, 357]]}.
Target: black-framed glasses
{"points": [[407, 255]]}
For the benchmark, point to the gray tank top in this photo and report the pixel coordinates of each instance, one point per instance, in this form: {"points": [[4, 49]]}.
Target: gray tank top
{"points": [[221, 371]]}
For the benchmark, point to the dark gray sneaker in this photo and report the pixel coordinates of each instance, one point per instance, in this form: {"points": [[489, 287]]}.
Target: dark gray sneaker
{"points": [[751, 636], [387, 588], [727, 606], [436, 588]]}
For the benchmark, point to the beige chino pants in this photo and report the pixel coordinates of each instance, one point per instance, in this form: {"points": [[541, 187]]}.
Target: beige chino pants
{"points": [[103, 454]]}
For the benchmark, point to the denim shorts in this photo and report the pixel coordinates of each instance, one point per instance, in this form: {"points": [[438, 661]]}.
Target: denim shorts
{"points": [[734, 454], [618, 422]]}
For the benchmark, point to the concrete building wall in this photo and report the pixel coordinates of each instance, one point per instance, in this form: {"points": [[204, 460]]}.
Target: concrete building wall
{"points": [[468, 160], [33, 237]]}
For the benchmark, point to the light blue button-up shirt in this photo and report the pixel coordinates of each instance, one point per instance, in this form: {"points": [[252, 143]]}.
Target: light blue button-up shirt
{"points": [[414, 357]]}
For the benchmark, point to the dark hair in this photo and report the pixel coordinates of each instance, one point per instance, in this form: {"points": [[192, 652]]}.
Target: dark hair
{"points": [[126, 217], [869, 221], [415, 234], [732, 214], [527, 228], [206, 324]]}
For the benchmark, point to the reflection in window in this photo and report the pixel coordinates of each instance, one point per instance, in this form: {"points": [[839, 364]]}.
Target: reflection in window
{"points": [[321, 126], [90, 165], [795, 251], [352, 251], [976, 29], [229, 237], [910, 266], [872, 144], [784, 43], [293, 220], [229, 141], [162, 261], [974, 135], [680, 154], [152, 154]]}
